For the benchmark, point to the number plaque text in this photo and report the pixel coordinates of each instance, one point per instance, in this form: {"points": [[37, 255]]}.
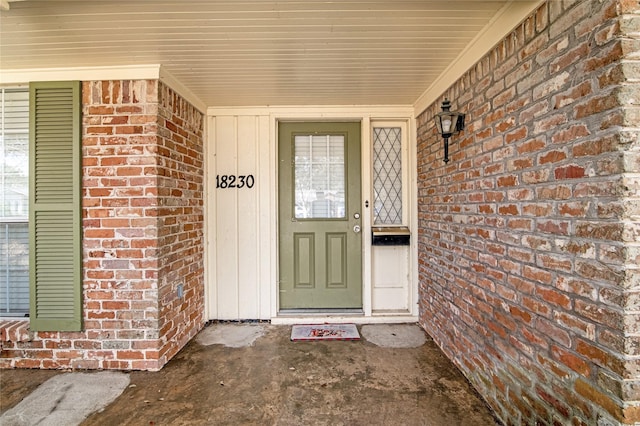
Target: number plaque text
{"points": [[235, 181]]}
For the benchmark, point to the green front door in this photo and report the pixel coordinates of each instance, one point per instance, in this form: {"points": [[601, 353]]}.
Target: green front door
{"points": [[319, 216]]}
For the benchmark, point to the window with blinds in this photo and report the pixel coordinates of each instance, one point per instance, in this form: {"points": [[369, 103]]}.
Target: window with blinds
{"points": [[14, 202], [319, 176]]}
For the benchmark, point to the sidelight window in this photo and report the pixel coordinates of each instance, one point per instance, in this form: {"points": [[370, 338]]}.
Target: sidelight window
{"points": [[388, 174]]}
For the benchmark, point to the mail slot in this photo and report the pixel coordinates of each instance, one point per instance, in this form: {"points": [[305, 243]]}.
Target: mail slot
{"points": [[390, 236]]}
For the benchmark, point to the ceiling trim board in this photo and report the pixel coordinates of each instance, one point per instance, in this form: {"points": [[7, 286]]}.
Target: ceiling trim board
{"points": [[316, 111], [23, 77], [127, 72]]}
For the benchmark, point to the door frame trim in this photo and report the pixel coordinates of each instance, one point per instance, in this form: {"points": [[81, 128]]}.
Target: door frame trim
{"points": [[365, 116], [365, 212], [365, 182]]}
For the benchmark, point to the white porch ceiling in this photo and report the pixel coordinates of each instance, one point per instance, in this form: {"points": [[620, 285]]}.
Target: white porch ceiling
{"points": [[263, 52]]}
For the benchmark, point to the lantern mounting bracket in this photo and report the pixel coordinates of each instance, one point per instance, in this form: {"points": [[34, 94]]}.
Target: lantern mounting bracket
{"points": [[448, 122]]}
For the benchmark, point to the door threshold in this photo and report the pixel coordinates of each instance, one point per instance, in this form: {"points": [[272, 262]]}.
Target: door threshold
{"points": [[323, 312], [336, 316]]}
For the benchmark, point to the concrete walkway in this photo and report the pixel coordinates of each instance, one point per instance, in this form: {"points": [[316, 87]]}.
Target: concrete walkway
{"points": [[252, 374]]}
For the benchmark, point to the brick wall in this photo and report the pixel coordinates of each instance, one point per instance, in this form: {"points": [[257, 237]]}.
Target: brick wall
{"points": [[181, 227], [529, 238], [143, 234]]}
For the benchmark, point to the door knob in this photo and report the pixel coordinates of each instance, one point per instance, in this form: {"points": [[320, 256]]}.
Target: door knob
{"points": [[356, 228]]}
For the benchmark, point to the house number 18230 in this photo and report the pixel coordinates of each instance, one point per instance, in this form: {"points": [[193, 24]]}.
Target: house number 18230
{"points": [[235, 181]]}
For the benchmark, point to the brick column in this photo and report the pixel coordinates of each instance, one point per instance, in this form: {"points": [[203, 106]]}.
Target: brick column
{"points": [[143, 285]]}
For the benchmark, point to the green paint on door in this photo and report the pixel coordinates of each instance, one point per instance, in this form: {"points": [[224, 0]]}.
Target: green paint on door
{"points": [[319, 215]]}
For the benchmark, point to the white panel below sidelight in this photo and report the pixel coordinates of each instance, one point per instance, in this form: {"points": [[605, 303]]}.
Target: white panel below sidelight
{"points": [[390, 278]]}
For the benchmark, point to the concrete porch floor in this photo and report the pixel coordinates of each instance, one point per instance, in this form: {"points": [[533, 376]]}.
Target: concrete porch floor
{"points": [[252, 374]]}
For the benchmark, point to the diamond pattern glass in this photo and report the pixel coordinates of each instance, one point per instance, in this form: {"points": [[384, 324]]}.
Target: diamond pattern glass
{"points": [[387, 175]]}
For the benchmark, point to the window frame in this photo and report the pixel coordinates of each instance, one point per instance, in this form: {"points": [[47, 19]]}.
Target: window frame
{"points": [[16, 219], [405, 166]]}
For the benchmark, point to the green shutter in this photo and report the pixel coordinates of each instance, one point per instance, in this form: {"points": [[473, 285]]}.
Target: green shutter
{"points": [[55, 206]]}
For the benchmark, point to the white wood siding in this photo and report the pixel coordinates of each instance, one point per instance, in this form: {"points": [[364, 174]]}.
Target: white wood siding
{"points": [[242, 230], [241, 256]]}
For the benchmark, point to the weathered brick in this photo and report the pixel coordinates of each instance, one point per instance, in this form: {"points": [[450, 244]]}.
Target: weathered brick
{"points": [[551, 85], [558, 270], [569, 172], [600, 231], [600, 357], [569, 57], [536, 306], [601, 315], [552, 399], [571, 95], [552, 157], [516, 135], [595, 105], [551, 330], [602, 400], [116, 233], [571, 360], [572, 322]]}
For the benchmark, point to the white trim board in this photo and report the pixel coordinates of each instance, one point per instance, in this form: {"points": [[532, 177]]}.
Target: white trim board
{"points": [[20, 77], [337, 319]]}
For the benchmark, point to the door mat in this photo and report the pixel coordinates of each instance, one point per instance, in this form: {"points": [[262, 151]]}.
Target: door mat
{"points": [[324, 332]]}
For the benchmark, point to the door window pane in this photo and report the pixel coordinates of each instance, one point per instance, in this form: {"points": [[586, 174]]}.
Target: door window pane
{"points": [[14, 202], [319, 176], [387, 175]]}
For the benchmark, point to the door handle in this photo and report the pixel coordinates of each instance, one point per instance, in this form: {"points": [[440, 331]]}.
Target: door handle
{"points": [[356, 228]]}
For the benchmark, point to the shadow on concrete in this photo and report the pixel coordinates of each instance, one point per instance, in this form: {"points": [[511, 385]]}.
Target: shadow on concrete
{"points": [[385, 378]]}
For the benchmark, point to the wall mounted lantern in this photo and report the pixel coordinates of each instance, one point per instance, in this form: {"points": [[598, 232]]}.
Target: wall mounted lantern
{"points": [[448, 123]]}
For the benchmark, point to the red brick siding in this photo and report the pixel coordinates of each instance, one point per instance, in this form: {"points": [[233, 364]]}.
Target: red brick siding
{"points": [[121, 220], [143, 226], [528, 237], [181, 231]]}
